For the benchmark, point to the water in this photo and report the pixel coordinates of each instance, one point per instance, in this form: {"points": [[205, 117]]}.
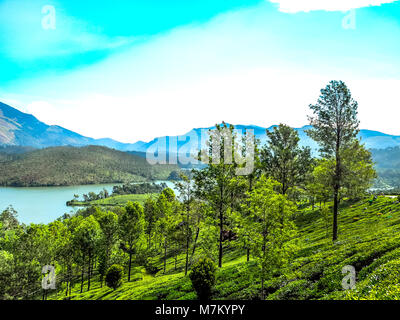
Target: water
{"points": [[46, 204]]}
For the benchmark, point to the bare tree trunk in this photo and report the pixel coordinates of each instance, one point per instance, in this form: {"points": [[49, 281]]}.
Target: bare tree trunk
{"points": [[89, 271], [130, 265], [165, 255], [221, 227], [83, 271]]}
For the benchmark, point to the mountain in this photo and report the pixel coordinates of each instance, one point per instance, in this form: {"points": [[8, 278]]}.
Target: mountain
{"points": [[22, 129], [59, 166], [193, 139]]}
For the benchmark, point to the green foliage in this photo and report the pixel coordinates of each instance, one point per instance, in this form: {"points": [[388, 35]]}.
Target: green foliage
{"points": [[62, 166], [114, 276], [202, 276], [283, 160], [138, 188], [131, 230]]}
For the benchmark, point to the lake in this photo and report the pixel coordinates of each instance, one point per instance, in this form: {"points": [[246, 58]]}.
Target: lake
{"points": [[45, 204]]}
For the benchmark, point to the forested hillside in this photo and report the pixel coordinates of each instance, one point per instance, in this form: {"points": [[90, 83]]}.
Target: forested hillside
{"points": [[59, 166]]}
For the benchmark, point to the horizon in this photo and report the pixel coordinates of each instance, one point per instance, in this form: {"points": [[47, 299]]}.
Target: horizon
{"points": [[110, 71], [190, 129]]}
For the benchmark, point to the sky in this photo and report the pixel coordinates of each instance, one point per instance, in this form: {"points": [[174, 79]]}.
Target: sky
{"points": [[134, 70]]}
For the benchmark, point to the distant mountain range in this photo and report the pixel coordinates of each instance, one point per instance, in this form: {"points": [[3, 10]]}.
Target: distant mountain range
{"points": [[21, 129]]}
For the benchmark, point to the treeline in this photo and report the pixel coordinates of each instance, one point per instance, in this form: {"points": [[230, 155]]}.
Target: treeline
{"points": [[138, 188], [254, 212]]}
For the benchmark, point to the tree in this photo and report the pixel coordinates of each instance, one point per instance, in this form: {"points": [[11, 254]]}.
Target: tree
{"points": [[214, 181], [167, 219], [203, 278], [9, 218], [85, 239], [283, 160], [358, 170], [114, 276], [335, 126], [150, 218], [131, 229], [269, 227], [108, 222], [186, 193]]}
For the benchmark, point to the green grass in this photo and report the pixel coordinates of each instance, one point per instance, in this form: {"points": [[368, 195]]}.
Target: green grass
{"points": [[113, 201], [369, 240]]}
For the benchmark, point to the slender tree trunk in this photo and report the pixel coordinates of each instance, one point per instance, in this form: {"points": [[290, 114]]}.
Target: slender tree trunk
{"points": [[89, 270], [83, 271], [221, 227], [248, 254], [66, 291], [130, 265], [187, 240], [335, 214], [165, 255], [195, 243], [336, 188]]}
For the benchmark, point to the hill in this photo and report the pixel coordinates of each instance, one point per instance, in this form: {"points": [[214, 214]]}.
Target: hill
{"points": [[387, 166], [60, 166], [369, 240], [22, 129]]}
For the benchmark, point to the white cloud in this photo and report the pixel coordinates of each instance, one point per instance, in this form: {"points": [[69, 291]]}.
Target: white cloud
{"points": [[24, 38], [239, 67], [294, 6]]}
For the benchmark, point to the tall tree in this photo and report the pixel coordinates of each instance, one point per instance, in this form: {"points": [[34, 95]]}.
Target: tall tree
{"points": [[284, 160], [186, 194], [108, 222], [214, 181], [269, 227], [150, 218], [85, 238], [131, 229], [167, 220], [335, 126]]}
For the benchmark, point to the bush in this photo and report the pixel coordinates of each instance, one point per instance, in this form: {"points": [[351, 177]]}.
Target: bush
{"points": [[202, 276], [114, 276]]}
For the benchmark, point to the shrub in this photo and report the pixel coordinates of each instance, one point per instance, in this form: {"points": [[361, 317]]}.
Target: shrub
{"points": [[202, 276], [114, 276]]}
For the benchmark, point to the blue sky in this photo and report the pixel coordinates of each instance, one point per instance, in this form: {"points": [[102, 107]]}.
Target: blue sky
{"points": [[132, 70]]}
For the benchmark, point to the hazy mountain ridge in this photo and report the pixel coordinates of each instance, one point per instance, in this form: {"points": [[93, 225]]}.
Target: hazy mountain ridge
{"points": [[21, 129]]}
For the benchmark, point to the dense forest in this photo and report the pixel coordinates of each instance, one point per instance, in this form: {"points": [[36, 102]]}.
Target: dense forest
{"points": [[62, 166], [285, 230]]}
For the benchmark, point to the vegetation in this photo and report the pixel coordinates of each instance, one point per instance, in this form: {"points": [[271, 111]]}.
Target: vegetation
{"points": [[202, 276], [335, 128], [138, 188], [266, 235], [62, 166], [112, 201], [114, 276]]}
